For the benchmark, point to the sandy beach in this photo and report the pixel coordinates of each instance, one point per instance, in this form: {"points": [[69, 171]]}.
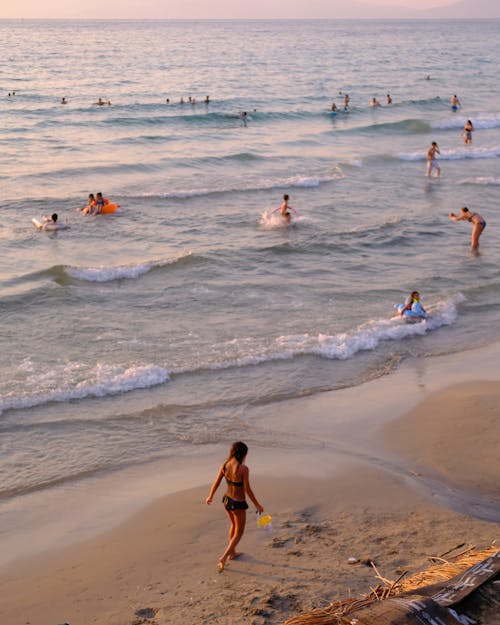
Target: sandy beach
{"points": [[159, 567]]}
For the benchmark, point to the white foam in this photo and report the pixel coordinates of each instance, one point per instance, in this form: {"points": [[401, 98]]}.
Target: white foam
{"points": [[340, 346], [251, 185], [77, 381], [120, 272], [453, 155], [271, 221], [459, 122], [482, 180]]}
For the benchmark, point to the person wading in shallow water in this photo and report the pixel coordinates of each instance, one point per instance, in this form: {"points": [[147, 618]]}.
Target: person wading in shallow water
{"points": [[478, 224], [236, 474]]}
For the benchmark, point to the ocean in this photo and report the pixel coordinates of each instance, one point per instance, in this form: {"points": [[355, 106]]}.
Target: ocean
{"points": [[143, 335]]}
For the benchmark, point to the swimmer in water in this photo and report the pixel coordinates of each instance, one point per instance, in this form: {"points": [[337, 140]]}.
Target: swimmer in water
{"points": [[455, 103], [334, 107], [285, 209], [478, 224], [411, 301], [374, 102], [388, 98], [91, 208], [346, 102]]}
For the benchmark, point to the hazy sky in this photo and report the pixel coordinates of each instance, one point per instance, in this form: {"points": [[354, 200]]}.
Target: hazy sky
{"points": [[206, 9]]}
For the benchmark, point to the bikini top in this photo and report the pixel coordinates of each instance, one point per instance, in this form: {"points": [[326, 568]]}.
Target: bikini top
{"points": [[230, 482]]}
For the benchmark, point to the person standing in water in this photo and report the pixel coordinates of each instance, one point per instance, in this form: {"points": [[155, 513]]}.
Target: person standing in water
{"points": [[478, 224], [346, 102], [431, 160], [236, 474], [468, 130], [455, 103], [285, 209]]}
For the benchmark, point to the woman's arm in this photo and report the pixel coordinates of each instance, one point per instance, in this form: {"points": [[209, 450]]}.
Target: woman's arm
{"points": [[215, 486], [454, 217], [249, 491]]}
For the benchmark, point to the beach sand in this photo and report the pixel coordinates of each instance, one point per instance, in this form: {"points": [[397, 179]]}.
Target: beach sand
{"points": [[159, 567]]}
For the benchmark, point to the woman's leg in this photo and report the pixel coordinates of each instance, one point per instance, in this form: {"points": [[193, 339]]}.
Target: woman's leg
{"points": [[476, 233], [238, 520]]}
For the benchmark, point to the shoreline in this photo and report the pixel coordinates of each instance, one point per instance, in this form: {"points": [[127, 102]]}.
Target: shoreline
{"points": [[332, 488], [340, 425]]}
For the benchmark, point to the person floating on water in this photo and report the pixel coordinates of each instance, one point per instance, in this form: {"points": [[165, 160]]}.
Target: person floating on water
{"points": [[468, 130], [237, 478], [285, 209], [91, 208], [431, 160], [412, 308], [64, 101], [50, 223], [100, 102], [455, 103], [478, 224], [100, 202]]}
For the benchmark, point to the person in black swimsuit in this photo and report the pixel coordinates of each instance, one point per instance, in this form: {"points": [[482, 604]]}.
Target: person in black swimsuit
{"points": [[236, 475], [478, 224]]}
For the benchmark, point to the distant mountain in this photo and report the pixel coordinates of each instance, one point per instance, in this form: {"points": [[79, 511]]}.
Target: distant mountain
{"points": [[318, 9], [467, 9]]}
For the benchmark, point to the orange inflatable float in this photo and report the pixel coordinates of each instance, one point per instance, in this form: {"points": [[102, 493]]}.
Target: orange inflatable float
{"points": [[109, 208]]}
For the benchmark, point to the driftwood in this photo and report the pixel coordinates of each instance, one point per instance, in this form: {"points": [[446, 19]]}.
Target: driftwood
{"points": [[425, 597]]}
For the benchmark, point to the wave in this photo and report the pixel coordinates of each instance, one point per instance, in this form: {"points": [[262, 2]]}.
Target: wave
{"points": [[264, 185], [454, 155], [404, 126], [103, 380], [484, 123], [64, 274], [344, 346], [121, 272], [482, 180]]}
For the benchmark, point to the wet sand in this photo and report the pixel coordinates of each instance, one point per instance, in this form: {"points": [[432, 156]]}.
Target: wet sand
{"points": [[392, 506]]}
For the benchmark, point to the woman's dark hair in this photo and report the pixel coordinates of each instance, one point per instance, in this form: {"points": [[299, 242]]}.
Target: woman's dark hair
{"points": [[238, 450], [286, 196]]}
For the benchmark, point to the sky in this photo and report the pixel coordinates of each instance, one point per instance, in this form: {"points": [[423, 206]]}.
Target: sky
{"points": [[220, 9]]}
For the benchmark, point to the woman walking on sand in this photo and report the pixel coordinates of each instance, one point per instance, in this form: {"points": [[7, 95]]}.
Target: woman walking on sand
{"points": [[236, 475]]}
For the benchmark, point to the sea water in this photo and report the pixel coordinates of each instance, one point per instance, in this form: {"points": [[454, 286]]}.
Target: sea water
{"points": [[137, 336]]}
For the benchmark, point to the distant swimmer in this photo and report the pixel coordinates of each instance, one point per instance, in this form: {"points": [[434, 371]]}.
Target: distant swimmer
{"points": [[167, 101], [455, 103], [207, 99], [374, 103], [100, 203], [181, 101], [468, 130], [478, 224], [346, 102], [431, 160], [91, 208], [334, 107], [100, 102], [388, 98], [285, 209], [427, 77], [64, 101], [49, 223]]}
